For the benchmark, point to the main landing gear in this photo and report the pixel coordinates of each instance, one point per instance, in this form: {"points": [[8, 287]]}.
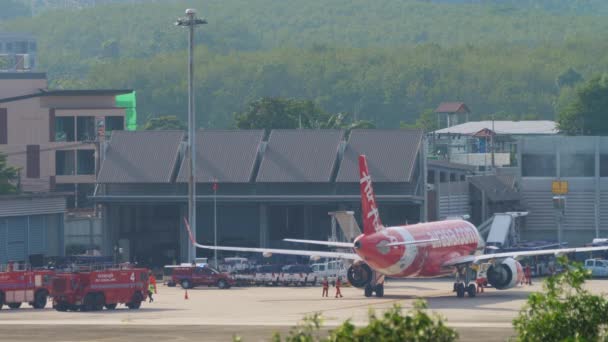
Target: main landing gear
{"points": [[370, 289], [463, 284]]}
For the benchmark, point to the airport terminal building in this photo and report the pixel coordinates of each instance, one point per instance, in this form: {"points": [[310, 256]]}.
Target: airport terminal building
{"points": [[270, 186], [580, 164]]}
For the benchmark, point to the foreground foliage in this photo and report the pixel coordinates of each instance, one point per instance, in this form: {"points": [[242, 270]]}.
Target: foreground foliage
{"points": [[8, 176], [392, 325], [587, 112], [564, 311]]}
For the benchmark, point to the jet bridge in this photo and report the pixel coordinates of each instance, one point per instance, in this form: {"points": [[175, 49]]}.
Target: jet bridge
{"points": [[502, 229]]}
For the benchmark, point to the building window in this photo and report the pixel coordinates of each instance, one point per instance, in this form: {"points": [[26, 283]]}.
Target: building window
{"points": [[64, 163], [83, 191], [85, 127], [33, 161], [64, 128], [603, 165], [114, 123], [452, 177], [577, 165], [70, 190], [86, 162], [3, 126], [538, 165], [430, 177], [442, 177], [463, 178]]}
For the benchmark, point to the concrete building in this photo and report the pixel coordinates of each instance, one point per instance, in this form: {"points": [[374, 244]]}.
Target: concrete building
{"points": [[582, 164], [52, 134], [485, 144], [270, 188], [18, 52], [31, 225]]}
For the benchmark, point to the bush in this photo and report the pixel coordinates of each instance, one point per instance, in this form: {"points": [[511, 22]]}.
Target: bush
{"points": [[416, 325], [565, 311]]}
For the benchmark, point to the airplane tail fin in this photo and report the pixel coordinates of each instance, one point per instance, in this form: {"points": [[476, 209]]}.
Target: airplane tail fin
{"points": [[369, 208]]}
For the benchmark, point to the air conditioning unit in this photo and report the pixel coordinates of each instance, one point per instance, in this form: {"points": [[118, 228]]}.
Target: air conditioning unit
{"points": [[22, 61]]}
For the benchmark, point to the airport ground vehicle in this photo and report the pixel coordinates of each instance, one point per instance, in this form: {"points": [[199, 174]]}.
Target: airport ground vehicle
{"points": [[331, 269], [231, 265], [297, 275], [20, 284], [598, 268], [88, 289], [201, 274]]}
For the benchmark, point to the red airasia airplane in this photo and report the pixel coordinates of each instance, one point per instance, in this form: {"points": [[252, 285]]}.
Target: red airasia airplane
{"points": [[424, 250]]}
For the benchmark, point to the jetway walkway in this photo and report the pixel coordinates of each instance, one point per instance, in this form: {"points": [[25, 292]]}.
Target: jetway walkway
{"points": [[502, 230]]}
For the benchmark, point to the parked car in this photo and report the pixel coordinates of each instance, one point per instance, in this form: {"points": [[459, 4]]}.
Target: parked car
{"points": [[200, 275], [598, 268]]}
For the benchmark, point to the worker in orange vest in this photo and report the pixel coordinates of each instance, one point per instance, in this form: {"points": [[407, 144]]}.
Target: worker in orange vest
{"points": [[325, 284], [338, 284], [480, 284], [152, 280], [528, 274]]}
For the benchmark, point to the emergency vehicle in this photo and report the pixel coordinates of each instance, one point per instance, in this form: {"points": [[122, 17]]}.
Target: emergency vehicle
{"points": [[201, 274], [92, 290], [19, 284]]}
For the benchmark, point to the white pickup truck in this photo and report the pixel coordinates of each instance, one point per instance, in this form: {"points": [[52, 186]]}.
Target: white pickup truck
{"points": [[598, 268]]}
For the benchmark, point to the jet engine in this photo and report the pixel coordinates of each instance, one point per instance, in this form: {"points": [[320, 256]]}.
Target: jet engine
{"points": [[359, 275], [506, 274]]}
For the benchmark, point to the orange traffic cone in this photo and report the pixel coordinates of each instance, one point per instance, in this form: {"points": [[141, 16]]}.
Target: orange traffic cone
{"points": [[186, 295]]}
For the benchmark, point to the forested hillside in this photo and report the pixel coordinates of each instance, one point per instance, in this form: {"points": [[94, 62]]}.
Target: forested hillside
{"points": [[385, 60]]}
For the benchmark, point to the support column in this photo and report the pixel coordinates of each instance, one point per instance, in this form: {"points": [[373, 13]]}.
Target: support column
{"points": [[424, 215], [307, 211], [184, 241], [484, 208], [597, 187], [263, 225]]}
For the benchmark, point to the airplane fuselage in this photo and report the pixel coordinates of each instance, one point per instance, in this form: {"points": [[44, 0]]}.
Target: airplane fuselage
{"points": [[454, 238]]}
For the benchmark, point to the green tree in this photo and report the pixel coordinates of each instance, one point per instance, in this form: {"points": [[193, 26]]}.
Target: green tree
{"points": [[564, 311], [427, 121], [168, 122], [8, 175], [279, 113], [588, 114], [568, 78], [13, 9]]}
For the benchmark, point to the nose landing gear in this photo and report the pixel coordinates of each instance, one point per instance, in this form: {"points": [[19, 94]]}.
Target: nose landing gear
{"points": [[463, 284]]}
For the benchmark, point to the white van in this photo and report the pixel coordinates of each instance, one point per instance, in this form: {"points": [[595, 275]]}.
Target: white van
{"points": [[331, 269]]}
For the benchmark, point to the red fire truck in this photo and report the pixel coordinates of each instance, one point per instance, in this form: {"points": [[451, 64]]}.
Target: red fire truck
{"points": [[91, 290], [20, 284]]}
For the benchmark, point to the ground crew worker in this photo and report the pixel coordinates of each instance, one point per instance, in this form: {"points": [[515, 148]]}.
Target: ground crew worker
{"points": [[480, 283], [150, 292], [338, 284], [325, 284], [528, 274], [152, 279]]}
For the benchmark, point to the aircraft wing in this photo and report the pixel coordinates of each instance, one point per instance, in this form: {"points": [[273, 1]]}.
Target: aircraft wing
{"points": [[324, 243], [559, 251], [319, 254], [312, 254]]}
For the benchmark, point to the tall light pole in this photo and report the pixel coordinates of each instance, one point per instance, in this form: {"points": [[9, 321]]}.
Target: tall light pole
{"points": [[215, 221], [190, 20]]}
